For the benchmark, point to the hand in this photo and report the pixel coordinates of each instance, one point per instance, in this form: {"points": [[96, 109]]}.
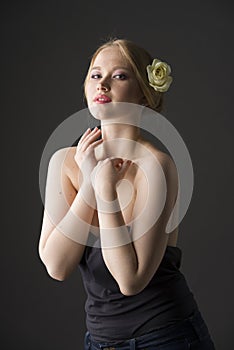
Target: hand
{"points": [[107, 174], [85, 156]]}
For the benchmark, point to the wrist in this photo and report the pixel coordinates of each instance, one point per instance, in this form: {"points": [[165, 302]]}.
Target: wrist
{"points": [[107, 193], [87, 194], [86, 185], [107, 202]]}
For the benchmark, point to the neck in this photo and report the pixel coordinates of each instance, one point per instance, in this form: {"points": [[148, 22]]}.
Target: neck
{"points": [[120, 129], [120, 140], [117, 131]]}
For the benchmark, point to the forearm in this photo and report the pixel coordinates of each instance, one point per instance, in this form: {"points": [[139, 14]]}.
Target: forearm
{"points": [[118, 250], [65, 245]]}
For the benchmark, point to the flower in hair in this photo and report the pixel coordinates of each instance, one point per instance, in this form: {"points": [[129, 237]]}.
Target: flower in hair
{"points": [[159, 75]]}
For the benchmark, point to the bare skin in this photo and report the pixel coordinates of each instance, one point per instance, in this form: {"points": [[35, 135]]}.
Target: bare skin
{"points": [[73, 173], [62, 254], [82, 178]]}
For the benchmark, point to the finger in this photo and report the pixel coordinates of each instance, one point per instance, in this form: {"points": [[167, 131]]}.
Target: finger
{"points": [[116, 161], [125, 165], [94, 144], [92, 137], [95, 131], [103, 162], [85, 134], [89, 138]]}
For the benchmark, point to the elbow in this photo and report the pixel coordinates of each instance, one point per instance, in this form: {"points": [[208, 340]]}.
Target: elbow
{"points": [[53, 271], [134, 285], [127, 292], [56, 275], [130, 290]]}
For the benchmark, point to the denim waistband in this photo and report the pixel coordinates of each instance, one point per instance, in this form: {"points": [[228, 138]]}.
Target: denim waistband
{"points": [[192, 328]]}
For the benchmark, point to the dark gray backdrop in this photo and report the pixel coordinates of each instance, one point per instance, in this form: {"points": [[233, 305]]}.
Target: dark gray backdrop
{"points": [[45, 49]]}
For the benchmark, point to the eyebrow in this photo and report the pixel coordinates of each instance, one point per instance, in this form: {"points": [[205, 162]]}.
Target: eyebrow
{"points": [[114, 68]]}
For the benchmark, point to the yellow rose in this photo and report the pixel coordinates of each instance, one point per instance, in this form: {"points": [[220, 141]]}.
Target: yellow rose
{"points": [[159, 75]]}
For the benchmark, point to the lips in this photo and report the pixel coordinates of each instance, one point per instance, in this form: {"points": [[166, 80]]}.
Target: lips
{"points": [[102, 99]]}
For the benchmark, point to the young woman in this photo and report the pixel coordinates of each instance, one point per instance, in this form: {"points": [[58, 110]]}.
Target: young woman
{"points": [[108, 202]]}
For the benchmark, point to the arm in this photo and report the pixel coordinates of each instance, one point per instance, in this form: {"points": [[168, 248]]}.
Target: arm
{"points": [[134, 262], [66, 221], [68, 213]]}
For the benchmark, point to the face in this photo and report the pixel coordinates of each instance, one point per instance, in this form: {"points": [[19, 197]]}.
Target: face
{"points": [[111, 79]]}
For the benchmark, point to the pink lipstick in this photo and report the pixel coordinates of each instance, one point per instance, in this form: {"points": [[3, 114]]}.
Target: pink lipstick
{"points": [[102, 99]]}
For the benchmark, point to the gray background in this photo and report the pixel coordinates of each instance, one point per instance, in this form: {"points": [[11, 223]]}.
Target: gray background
{"points": [[45, 49]]}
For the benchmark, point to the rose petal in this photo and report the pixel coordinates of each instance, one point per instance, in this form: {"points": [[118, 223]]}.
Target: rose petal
{"points": [[149, 71], [155, 61], [158, 75]]}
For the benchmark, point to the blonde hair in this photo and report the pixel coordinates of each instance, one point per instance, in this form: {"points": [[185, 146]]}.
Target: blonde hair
{"points": [[138, 59]]}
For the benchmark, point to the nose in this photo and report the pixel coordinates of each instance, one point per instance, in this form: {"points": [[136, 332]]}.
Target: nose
{"points": [[103, 86]]}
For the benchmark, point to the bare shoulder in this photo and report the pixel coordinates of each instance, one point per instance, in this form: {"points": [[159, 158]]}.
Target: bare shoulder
{"points": [[172, 183], [164, 159], [169, 168], [65, 157]]}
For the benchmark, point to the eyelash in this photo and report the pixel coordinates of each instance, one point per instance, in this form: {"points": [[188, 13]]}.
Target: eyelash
{"points": [[124, 77]]}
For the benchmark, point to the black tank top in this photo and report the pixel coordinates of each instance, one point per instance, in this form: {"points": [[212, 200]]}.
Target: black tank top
{"points": [[112, 316]]}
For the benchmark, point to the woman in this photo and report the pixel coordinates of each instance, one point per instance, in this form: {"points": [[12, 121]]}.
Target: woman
{"points": [[108, 202]]}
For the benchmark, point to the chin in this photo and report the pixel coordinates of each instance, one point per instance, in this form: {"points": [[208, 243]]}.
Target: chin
{"points": [[100, 111], [119, 112], [105, 111]]}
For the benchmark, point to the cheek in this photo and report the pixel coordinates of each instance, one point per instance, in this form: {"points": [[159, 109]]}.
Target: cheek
{"points": [[135, 91], [88, 92], [136, 95]]}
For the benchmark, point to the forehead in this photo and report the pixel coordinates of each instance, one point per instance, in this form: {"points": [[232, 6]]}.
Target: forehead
{"points": [[111, 56]]}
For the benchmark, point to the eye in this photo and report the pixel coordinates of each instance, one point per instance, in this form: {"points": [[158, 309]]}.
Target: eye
{"points": [[121, 76], [95, 76]]}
